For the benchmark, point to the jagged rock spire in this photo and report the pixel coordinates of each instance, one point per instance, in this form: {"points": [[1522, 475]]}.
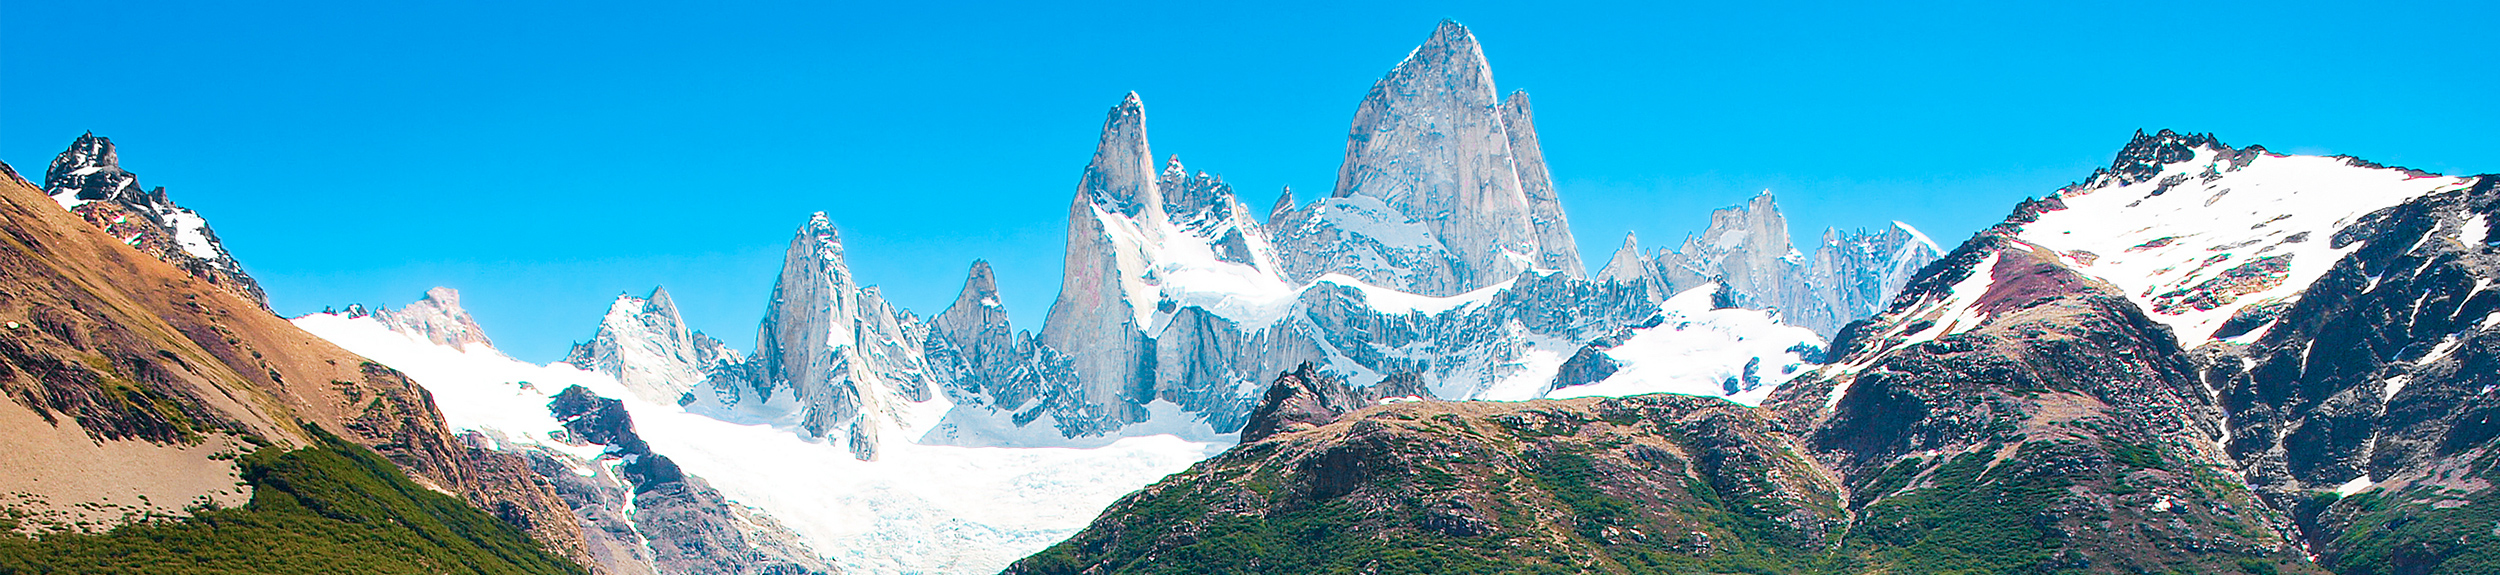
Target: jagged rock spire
{"points": [[1122, 175], [1628, 267], [1556, 249], [1430, 141], [1114, 225]]}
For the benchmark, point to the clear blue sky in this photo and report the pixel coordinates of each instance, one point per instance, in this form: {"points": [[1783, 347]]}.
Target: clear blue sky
{"points": [[544, 157]]}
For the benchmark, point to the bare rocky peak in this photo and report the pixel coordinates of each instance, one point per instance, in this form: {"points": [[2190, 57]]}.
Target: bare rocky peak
{"points": [[833, 360], [1557, 250], [1114, 226], [437, 317], [1430, 141], [1122, 176], [1850, 275], [977, 309], [87, 179], [1746, 248], [1629, 267], [645, 344]]}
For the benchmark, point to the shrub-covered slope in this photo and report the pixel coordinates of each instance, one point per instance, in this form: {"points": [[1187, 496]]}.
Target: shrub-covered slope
{"points": [[331, 508]]}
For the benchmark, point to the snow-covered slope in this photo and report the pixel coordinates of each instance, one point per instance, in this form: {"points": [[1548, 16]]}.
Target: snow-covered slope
{"points": [[1695, 348], [917, 509], [2198, 232]]}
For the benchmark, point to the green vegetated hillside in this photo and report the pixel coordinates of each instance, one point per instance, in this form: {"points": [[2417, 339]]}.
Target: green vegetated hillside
{"points": [[1645, 484], [333, 508]]}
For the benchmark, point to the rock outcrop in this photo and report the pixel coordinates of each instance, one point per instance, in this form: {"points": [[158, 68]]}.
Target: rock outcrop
{"points": [[654, 513], [88, 180]]}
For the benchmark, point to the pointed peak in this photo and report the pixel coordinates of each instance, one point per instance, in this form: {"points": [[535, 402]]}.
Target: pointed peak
{"points": [[1920, 237], [1132, 101], [1121, 175], [820, 225], [1450, 32], [1517, 102], [1632, 241], [1172, 168], [443, 297], [981, 276], [1283, 205], [660, 302]]}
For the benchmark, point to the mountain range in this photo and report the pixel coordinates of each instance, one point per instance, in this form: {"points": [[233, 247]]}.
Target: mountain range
{"points": [[1416, 373]]}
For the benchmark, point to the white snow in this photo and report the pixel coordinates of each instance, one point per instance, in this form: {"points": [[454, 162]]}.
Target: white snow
{"points": [[1389, 301], [189, 232], [918, 509], [2207, 227], [2476, 231], [1697, 349], [2387, 389], [2357, 485], [1369, 217], [1524, 377]]}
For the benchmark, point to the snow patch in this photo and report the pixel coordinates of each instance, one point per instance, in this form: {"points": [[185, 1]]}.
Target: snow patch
{"points": [[2357, 485], [1390, 301]]}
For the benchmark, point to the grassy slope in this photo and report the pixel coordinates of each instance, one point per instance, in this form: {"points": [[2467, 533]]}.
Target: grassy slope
{"points": [[333, 508]]}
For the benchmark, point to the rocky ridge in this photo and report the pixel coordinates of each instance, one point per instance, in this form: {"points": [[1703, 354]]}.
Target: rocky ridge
{"points": [[1850, 275], [87, 179]]}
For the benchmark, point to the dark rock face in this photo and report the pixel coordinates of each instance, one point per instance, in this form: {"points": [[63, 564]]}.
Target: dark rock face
{"points": [[2383, 372], [651, 513], [1307, 397]]}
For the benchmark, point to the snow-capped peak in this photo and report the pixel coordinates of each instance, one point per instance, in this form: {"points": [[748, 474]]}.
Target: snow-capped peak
{"points": [[2196, 231]]}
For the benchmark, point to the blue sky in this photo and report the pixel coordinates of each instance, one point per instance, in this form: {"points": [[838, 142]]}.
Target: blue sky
{"points": [[544, 157]]}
